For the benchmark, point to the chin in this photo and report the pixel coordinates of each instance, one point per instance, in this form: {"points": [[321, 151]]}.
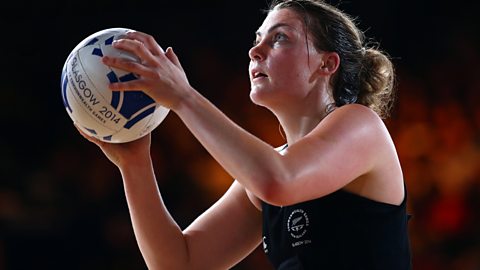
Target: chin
{"points": [[262, 98], [256, 96]]}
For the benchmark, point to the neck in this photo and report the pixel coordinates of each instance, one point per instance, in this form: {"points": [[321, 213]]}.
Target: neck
{"points": [[296, 126], [298, 117]]}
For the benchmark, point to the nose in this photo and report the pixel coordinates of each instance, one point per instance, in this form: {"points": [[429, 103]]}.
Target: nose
{"points": [[256, 53]]}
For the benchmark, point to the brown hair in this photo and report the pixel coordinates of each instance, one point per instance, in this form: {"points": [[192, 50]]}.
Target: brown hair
{"points": [[365, 74]]}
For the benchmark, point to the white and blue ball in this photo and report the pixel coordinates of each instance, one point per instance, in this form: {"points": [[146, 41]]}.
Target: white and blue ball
{"points": [[110, 116]]}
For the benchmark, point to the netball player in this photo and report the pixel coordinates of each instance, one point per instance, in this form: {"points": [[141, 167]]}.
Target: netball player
{"points": [[332, 197]]}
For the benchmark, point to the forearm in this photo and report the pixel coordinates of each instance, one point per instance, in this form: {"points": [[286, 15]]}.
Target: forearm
{"points": [[160, 240], [256, 164]]}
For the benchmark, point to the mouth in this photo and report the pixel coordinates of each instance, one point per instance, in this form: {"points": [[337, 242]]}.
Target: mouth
{"points": [[258, 74]]}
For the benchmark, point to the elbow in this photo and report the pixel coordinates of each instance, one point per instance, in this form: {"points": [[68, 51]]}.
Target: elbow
{"points": [[275, 192], [274, 184]]}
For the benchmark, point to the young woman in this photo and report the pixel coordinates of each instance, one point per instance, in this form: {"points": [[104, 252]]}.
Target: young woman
{"points": [[332, 197]]}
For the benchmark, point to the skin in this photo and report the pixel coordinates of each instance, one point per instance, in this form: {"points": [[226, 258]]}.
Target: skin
{"points": [[348, 149]]}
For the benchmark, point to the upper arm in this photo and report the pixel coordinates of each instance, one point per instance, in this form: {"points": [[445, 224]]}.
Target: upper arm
{"points": [[344, 146], [226, 233]]}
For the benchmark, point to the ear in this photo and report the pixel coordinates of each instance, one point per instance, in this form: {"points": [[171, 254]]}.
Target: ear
{"points": [[329, 63]]}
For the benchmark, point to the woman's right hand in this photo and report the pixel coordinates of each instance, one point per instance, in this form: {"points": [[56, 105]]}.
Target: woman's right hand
{"points": [[159, 74], [122, 154]]}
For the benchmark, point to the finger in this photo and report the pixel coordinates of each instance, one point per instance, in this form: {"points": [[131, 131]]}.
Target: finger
{"points": [[136, 47], [86, 136], [133, 85], [127, 65], [173, 57], [150, 43]]}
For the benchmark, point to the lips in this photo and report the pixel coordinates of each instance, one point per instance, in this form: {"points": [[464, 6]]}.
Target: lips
{"points": [[259, 74], [256, 73]]}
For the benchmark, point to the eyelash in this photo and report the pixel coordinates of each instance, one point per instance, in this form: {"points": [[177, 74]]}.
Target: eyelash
{"points": [[276, 38]]}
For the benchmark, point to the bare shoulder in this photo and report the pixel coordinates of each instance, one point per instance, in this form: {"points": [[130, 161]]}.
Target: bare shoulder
{"points": [[367, 133], [360, 130], [354, 119], [356, 112]]}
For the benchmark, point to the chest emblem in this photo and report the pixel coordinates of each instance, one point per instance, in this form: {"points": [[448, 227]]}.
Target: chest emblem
{"points": [[297, 223]]}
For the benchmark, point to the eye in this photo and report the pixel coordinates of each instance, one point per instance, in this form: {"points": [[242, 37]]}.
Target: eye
{"points": [[279, 37]]}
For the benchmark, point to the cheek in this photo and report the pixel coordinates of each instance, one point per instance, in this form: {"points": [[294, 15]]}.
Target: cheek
{"points": [[291, 73], [291, 64]]}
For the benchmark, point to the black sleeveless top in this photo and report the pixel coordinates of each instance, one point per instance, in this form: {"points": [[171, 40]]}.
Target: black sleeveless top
{"points": [[338, 231]]}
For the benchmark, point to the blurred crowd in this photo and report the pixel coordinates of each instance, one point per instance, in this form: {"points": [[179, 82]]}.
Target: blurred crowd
{"points": [[436, 128]]}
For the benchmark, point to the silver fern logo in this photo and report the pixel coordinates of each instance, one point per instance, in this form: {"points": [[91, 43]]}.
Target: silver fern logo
{"points": [[297, 223]]}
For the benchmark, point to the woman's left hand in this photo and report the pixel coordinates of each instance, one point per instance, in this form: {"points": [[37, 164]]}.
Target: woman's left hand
{"points": [[160, 74]]}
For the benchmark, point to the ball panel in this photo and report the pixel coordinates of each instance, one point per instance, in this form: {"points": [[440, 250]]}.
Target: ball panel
{"points": [[139, 117], [134, 102]]}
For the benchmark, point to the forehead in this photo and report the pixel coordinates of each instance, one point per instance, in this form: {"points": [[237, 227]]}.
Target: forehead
{"points": [[284, 17]]}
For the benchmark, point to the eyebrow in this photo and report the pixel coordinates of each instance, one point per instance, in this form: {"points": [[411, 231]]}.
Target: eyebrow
{"points": [[278, 25]]}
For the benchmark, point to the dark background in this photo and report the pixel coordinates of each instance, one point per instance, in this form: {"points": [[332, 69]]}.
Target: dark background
{"points": [[62, 204]]}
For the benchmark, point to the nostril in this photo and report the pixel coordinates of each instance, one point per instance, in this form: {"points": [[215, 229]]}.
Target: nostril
{"points": [[255, 54]]}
